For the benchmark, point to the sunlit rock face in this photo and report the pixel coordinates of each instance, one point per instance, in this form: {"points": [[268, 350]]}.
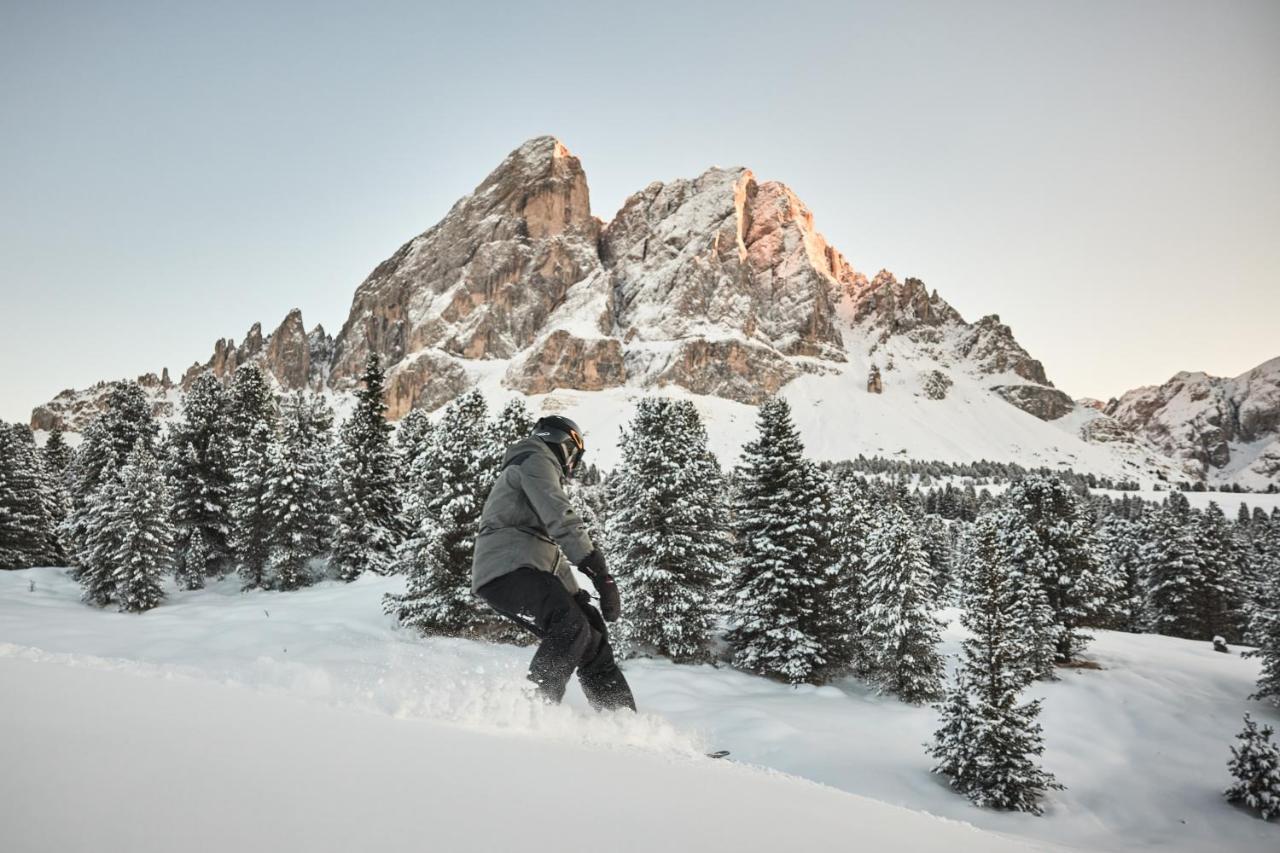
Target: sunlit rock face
{"points": [[713, 283], [482, 282], [723, 255], [719, 284]]}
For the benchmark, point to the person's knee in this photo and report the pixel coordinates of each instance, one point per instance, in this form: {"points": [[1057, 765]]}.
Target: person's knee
{"points": [[568, 625]]}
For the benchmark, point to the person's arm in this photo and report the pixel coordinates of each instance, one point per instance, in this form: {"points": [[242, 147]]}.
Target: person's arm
{"points": [[540, 479]]}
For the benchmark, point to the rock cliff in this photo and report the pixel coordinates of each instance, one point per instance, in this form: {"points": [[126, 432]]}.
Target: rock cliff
{"points": [[1228, 427], [719, 284]]}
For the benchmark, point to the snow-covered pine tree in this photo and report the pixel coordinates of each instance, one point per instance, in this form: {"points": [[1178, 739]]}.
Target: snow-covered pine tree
{"points": [[55, 459], [851, 525], [988, 743], [1264, 630], [1264, 618], [57, 454], [190, 573], [1078, 589], [937, 547], [93, 458], [142, 532], [512, 423], [667, 531], [249, 401], [251, 510], [414, 434], [26, 534], [957, 534], [1251, 545], [1218, 594], [125, 421], [102, 539], [1118, 542], [780, 602], [437, 555], [1255, 764], [297, 490], [51, 498], [366, 502], [199, 472], [902, 634], [1172, 562], [419, 484], [1031, 616]]}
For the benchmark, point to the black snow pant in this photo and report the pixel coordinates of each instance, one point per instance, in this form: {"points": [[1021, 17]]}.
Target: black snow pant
{"points": [[572, 632]]}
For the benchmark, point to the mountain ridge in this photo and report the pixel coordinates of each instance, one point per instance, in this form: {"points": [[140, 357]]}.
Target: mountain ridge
{"points": [[719, 285], [1228, 426]]}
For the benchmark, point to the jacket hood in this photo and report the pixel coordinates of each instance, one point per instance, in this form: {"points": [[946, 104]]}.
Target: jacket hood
{"points": [[530, 444]]}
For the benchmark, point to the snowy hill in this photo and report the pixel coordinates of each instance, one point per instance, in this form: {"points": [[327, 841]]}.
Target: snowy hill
{"points": [[1227, 428], [303, 720], [718, 287], [290, 775]]}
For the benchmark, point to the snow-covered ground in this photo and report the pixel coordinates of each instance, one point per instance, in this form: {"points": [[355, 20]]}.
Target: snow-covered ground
{"points": [[1229, 502], [305, 720], [110, 760]]}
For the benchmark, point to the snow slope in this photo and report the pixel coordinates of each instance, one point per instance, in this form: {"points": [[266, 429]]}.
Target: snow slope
{"points": [[1228, 427], [838, 419], [324, 708], [177, 764], [1228, 502]]}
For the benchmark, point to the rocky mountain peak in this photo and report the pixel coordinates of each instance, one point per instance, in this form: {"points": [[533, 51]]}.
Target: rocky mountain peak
{"points": [[719, 283], [714, 283], [896, 307], [479, 284], [1219, 426], [722, 256], [292, 357], [991, 344], [542, 187]]}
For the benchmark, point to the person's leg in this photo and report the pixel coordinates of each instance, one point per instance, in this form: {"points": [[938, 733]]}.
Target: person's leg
{"points": [[602, 681], [538, 601]]}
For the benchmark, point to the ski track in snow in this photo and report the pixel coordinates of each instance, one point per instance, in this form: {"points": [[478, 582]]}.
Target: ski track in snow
{"points": [[1141, 745]]}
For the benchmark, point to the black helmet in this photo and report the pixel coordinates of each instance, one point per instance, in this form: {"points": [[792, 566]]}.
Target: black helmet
{"points": [[564, 437]]}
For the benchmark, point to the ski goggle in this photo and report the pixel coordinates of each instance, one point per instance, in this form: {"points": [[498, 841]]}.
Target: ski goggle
{"points": [[580, 449]]}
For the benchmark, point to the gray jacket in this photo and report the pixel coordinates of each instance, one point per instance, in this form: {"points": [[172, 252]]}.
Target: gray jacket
{"points": [[527, 520]]}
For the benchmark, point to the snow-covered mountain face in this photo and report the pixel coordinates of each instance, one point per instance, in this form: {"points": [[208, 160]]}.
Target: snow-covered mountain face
{"points": [[1229, 429], [294, 358], [718, 287], [718, 284], [72, 409], [714, 284]]}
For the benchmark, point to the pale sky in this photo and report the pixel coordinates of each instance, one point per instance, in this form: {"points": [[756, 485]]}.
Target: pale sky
{"points": [[1103, 175]]}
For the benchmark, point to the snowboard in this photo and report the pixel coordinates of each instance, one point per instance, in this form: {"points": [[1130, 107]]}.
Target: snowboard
{"points": [[719, 753]]}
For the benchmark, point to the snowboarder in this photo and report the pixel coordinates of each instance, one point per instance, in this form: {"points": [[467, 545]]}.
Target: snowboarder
{"points": [[529, 534]]}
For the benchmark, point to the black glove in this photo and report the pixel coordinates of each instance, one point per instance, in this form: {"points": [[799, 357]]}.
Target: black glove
{"points": [[593, 567]]}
